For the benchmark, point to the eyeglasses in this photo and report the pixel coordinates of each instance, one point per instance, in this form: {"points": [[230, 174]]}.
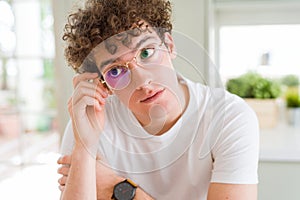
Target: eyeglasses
{"points": [[117, 76]]}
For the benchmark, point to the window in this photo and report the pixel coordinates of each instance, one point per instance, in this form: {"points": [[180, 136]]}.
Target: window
{"points": [[28, 137], [27, 104], [272, 50], [257, 35], [26, 61]]}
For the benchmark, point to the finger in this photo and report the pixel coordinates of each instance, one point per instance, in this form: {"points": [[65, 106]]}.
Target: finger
{"points": [[96, 85], [62, 181], [88, 91], [87, 98], [84, 85], [96, 103], [65, 160], [93, 83], [82, 104], [103, 86], [64, 170], [95, 121], [83, 77], [61, 188], [70, 105], [93, 90]]}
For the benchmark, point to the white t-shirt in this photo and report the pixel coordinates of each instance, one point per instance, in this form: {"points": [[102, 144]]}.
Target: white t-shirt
{"points": [[215, 140]]}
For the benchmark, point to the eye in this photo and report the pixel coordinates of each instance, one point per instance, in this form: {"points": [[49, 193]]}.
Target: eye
{"points": [[146, 53], [115, 71]]}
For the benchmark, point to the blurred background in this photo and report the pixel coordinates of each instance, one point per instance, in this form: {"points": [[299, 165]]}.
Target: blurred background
{"points": [[254, 45]]}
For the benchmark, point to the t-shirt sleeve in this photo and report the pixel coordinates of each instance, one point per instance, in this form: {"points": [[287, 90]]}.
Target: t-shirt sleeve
{"points": [[235, 153], [67, 140]]}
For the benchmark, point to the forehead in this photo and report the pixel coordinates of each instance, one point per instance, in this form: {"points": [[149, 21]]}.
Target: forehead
{"points": [[124, 43]]}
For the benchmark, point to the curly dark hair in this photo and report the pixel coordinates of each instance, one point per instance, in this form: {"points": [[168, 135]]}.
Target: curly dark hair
{"points": [[101, 19]]}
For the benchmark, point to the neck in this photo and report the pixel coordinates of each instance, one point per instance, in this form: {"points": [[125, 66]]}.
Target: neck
{"points": [[159, 124]]}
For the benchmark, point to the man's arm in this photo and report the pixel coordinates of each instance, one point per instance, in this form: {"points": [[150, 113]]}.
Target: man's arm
{"points": [[142, 195], [235, 154], [81, 181], [107, 179], [220, 191]]}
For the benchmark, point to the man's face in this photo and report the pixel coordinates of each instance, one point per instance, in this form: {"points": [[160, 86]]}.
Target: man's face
{"points": [[139, 71]]}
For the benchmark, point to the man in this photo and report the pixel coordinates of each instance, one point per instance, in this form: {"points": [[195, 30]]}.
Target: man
{"points": [[138, 129]]}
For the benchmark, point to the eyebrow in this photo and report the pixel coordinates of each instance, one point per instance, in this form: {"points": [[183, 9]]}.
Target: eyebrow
{"points": [[107, 62]]}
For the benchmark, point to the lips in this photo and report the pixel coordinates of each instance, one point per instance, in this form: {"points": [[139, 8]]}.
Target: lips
{"points": [[153, 97]]}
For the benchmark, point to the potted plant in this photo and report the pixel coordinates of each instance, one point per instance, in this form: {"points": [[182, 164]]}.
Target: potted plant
{"points": [[290, 80], [260, 93], [291, 88], [292, 98]]}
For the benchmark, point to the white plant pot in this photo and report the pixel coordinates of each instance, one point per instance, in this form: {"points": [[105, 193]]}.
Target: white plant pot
{"points": [[293, 116]]}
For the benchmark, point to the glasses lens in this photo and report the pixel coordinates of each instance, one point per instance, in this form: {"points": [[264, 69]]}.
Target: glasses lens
{"points": [[117, 77], [149, 55]]}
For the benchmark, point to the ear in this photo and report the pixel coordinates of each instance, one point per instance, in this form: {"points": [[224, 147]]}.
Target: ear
{"points": [[169, 42]]}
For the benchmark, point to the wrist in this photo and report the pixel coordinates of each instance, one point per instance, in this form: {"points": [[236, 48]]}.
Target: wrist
{"points": [[83, 150], [107, 190], [139, 193], [106, 181], [125, 190]]}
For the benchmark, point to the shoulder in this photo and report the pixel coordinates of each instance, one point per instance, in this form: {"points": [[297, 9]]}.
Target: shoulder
{"points": [[236, 145], [219, 105], [218, 101], [237, 110], [236, 117]]}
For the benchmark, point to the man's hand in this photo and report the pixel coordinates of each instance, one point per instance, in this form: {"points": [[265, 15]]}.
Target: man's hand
{"points": [[65, 162], [106, 178], [86, 108]]}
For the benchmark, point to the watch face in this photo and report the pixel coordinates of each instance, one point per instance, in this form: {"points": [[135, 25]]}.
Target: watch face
{"points": [[124, 191]]}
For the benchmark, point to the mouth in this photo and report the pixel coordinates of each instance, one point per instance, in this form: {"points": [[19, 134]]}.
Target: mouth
{"points": [[153, 97]]}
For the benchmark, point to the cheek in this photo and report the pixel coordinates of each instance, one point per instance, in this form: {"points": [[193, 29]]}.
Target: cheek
{"points": [[169, 101], [127, 97]]}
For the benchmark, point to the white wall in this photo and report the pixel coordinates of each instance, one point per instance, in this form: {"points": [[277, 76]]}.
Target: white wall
{"points": [[63, 74], [189, 18], [279, 181], [194, 19]]}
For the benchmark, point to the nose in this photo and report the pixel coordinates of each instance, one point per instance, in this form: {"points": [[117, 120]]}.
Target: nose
{"points": [[146, 85], [131, 63], [141, 77]]}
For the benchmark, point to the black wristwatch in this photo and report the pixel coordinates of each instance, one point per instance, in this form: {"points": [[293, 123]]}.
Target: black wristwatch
{"points": [[124, 190]]}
